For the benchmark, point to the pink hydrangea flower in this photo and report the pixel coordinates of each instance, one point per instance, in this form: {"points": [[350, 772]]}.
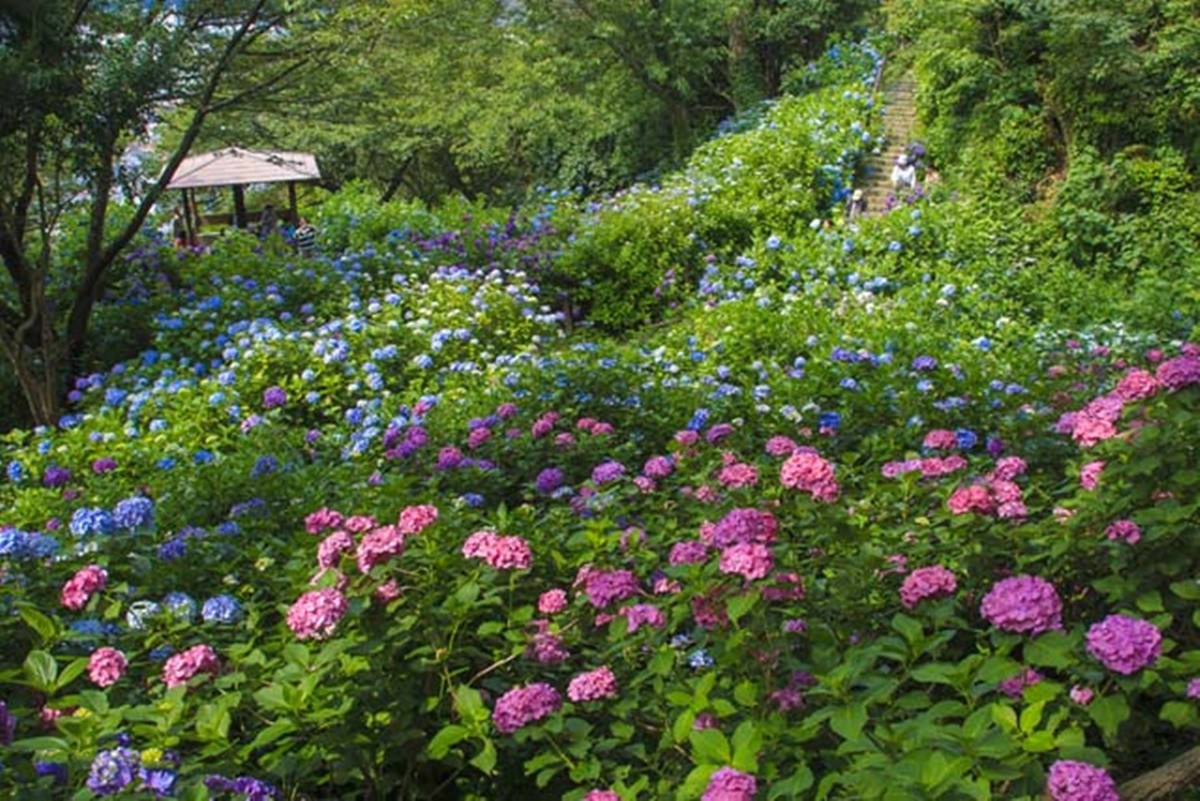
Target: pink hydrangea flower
{"points": [[728, 784], [501, 553], [1009, 467], [784, 587], [382, 544], [658, 467], [1090, 430], [552, 601], [780, 446], [1081, 695], [330, 551], [940, 439], [1193, 689], [1023, 604], [415, 519], [1089, 474], [323, 520], [547, 648], [387, 592], [751, 560], [185, 665], [521, 706], [639, 615], [79, 588], [927, 582], [1124, 645], [740, 525], [1015, 685], [935, 467], [315, 614], [1126, 530], [736, 476], [974, 498], [809, 472], [687, 552], [602, 795], [1137, 384], [594, 685], [1079, 781], [604, 587], [106, 666], [359, 524]]}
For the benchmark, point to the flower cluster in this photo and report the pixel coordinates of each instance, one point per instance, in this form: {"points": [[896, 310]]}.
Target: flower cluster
{"points": [[79, 589], [728, 784], [1023, 604], [1079, 781], [593, 685], [315, 614], [809, 472], [185, 665], [1124, 644], [926, 582], [521, 706], [500, 552], [106, 666]]}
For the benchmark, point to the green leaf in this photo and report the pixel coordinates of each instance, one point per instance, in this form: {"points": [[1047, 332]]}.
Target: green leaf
{"points": [[934, 673], [739, 606], [746, 693], [1005, 716], [1109, 712], [469, 704], [46, 628], [72, 671], [1031, 716], [1050, 649], [449, 736], [41, 670], [683, 725], [696, 781], [1150, 601], [485, 760], [848, 721], [909, 628], [792, 786], [1187, 590], [747, 742], [1039, 742], [1179, 713], [710, 746]]}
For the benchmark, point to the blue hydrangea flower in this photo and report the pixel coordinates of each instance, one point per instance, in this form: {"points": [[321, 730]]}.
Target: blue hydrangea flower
{"points": [[699, 659], [15, 472], [180, 605], [134, 513], [88, 521], [222, 609], [113, 770], [966, 438]]}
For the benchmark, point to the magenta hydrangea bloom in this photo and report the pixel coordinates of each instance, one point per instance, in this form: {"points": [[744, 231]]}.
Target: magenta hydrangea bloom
{"points": [[1126, 530], [185, 665], [382, 544], [809, 472], [521, 706], [926, 582], [315, 614], [1089, 474], [79, 589], [687, 552], [639, 615], [751, 560], [1124, 645], [1193, 689], [602, 795], [593, 685], [323, 519], [501, 553], [552, 601], [604, 587], [1179, 372], [415, 519], [1023, 604], [728, 784], [106, 666], [1079, 781]]}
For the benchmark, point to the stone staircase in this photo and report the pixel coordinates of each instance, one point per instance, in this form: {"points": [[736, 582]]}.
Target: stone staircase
{"points": [[899, 116]]}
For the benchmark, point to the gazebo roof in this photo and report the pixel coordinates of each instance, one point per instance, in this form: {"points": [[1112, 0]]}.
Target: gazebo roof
{"points": [[236, 165]]}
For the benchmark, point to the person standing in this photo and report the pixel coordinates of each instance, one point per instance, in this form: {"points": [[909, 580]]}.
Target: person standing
{"points": [[858, 206], [904, 174], [267, 222], [306, 238]]}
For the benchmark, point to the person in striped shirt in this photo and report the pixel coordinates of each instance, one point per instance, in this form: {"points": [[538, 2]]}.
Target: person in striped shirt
{"points": [[306, 238]]}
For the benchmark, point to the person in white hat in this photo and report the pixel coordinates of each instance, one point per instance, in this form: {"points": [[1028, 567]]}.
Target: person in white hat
{"points": [[858, 205], [904, 174]]}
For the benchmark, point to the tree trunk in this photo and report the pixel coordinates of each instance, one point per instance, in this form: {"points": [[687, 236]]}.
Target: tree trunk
{"points": [[1180, 773]]}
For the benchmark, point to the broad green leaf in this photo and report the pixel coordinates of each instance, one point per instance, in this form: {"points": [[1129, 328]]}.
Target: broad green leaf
{"points": [[448, 737], [42, 671], [710, 746], [1109, 712], [848, 721], [1050, 649], [485, 760]]}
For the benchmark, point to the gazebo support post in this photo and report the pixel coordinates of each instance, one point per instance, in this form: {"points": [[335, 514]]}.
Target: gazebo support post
{"points": [[292, 203], [239, 206]]}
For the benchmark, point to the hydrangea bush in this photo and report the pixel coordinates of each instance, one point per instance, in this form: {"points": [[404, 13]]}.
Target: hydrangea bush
{"points": [[378, 527]]}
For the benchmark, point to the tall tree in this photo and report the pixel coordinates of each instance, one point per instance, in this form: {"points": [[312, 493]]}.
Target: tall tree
{"points": [[83, 80]]}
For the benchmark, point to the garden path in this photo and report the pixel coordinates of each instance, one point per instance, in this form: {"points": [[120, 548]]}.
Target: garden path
{"points": [[899, 117]]}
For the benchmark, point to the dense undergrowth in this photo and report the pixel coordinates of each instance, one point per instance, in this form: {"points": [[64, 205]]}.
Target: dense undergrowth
{"points": [[672, 494]]}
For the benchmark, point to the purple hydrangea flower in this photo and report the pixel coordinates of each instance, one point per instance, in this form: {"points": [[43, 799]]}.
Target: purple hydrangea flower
{"points": [[1079, 781], [1124, 644], [1023, 604], [113, 770]]}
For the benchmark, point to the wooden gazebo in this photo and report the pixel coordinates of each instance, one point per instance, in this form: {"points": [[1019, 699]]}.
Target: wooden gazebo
{"points": [[237, 167]]}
